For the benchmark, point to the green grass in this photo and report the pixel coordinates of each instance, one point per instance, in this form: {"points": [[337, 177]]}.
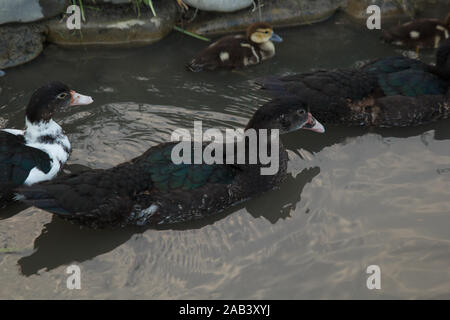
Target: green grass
{"points": [[149, 3], [80, 3], [191, 34]]}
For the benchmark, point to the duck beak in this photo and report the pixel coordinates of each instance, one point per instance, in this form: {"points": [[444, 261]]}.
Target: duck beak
{"points": [[313, 125], [79, 99], [275, 38]]}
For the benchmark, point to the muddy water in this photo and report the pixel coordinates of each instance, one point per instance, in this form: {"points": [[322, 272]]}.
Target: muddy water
{"points": [[355, 197]]}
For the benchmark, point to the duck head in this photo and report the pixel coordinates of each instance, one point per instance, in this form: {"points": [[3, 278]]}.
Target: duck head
{"points": [[262, 32], [51, 98], [285, 114], [443, 59]]}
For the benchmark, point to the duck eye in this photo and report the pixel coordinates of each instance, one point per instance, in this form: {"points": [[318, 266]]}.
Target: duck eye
{"points": [[301, 112], [62, 95]]}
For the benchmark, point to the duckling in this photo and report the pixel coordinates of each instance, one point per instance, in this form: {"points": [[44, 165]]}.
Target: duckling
{"points": [[389, 92], [38, 153], [237, 51], [152, 190], [420, 33]]}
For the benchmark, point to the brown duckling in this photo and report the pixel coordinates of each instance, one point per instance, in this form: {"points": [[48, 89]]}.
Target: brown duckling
{"points": [[238, 51], [420, 33]]}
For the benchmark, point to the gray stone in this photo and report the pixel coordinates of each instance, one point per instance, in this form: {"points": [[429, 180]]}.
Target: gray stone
{"points": [[20, 43], [219, 5], [389, 8], [396, 11], [116, 25], [30, 10], [109, 1], [278, 13]]}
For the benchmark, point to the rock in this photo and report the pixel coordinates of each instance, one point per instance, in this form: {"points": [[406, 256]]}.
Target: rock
{"points": [[20, 43], [117, 25], [278, 13], [395, 12], [389, 8], [95, 2], [30, 10], [219, 5]]}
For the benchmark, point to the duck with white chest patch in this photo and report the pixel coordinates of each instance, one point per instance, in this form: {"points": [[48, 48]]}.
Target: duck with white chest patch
{"points": [[38, 153], [238, 51]]}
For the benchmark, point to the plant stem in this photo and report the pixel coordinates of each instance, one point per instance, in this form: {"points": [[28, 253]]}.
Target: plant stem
{"points": [[191, 34]]}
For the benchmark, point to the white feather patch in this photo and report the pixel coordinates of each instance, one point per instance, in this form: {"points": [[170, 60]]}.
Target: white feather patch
{"points": [[414, 34], [224, 56], [437, 39], [19, 197], [14, 132], [150, 210], [268, 50], [441, 28], [55, 150], [253, 52]]}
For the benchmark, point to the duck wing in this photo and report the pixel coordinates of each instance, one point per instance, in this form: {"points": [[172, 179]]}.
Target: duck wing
{"points": [[351, 96], [341, 83], [393, 64], [412, 83], [351, 84], [16, 162], [128, 193], [228, 52], [404, 76]]}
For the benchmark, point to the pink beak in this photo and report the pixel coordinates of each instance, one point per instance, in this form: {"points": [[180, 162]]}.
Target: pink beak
{"points": [[313, 125], [79, 99]]}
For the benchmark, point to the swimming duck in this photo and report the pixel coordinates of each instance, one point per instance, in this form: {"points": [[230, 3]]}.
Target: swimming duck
{"points": [[389, 92], [38, 153], [421, 33], [237, 51], [152, 190]]}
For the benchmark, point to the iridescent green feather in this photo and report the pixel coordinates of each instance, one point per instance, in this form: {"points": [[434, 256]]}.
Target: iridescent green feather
{"points": [[167, 176]]}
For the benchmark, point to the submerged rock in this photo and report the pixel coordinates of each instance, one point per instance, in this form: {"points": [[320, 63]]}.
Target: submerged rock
{"points": [[219, 5], [278, 13], [117, 25], [30, 10], [20, 43]]}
